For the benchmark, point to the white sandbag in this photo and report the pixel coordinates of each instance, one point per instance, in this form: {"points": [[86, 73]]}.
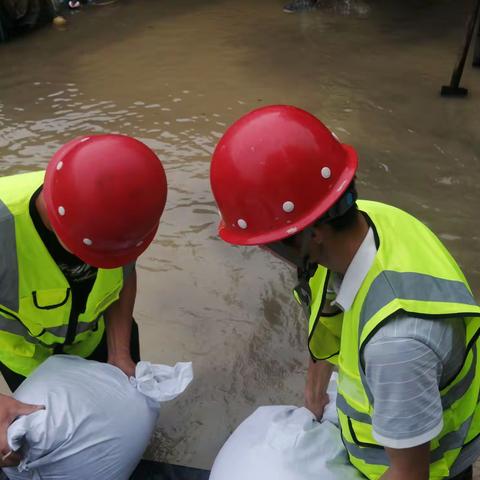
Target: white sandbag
{"points": [[285, 443], [330, 412], [97, 422]]}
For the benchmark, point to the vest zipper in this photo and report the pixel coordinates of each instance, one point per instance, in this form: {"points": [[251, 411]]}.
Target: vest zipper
{"points": [[72, 328], [73, 321]]}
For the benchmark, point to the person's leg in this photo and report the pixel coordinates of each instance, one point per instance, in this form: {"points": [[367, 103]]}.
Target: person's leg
{"points": [[100, 354]]}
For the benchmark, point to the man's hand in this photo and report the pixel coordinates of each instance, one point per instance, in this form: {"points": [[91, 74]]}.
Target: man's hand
{"points": [[125, 364], [10, 409], [318, 376], [408, 463]]}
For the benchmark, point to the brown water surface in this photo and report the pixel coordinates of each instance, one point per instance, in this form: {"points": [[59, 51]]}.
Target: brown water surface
{"points": [[175, 74]]}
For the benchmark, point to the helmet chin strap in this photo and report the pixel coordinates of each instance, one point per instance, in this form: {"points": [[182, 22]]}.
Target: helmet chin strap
{"points": [[298, 258], [294, 256], [283, 252]]}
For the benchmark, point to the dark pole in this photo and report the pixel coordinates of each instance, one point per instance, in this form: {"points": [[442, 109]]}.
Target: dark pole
{"points": [[454, 89], [476, 51], [3, 35]]}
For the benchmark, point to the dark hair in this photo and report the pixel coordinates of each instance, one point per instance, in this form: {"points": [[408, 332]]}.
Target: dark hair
{"points": [[343, 214]]}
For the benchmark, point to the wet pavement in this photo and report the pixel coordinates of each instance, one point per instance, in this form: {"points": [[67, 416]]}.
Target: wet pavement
{"points": [[175, 74]]}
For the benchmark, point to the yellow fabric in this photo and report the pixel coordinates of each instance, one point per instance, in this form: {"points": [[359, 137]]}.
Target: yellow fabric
{"points": [[38, 273]]}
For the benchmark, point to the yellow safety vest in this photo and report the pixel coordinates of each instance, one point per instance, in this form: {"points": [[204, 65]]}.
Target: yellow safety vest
{"points": [[412, 272], [35, 297]]}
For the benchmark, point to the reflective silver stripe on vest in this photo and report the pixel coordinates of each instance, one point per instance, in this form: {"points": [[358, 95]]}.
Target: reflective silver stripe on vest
{"points": [[36, 341], [468, 455], [351, 412], [8, 260], [15, 327], [390, 285], [451, 441], [372, 456], [378, 456], [86, 326], [10, 325], [62, 330], [458, 390]]}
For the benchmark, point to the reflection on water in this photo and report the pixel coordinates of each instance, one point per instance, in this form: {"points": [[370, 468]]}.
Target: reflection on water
{"points": [[175, 74]]}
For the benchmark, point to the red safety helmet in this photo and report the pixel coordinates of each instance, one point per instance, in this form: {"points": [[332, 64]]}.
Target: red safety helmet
{"points": [[274, 172], [104, 196]]}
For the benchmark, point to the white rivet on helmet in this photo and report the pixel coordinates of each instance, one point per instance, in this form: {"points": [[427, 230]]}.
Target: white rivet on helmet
{"points": [[292, 230], [288, 207], [61, 210], [59, 165], [242, 223], [326, 172], [87, 241]]}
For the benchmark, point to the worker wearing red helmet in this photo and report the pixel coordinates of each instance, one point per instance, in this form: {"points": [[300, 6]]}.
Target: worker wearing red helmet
{"points": [[69, 239], [384, 299]]}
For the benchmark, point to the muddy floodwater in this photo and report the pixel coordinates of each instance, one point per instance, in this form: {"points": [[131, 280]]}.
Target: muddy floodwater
{"points": [[175, 74]]}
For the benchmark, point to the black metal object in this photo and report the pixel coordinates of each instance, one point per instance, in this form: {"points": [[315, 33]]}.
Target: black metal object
{"points": [[148, 470], [454, 88], [476, 51], [3, 33]]}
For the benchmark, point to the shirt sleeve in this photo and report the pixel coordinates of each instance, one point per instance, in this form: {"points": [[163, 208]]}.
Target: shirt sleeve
{"points": [[403, 376]]}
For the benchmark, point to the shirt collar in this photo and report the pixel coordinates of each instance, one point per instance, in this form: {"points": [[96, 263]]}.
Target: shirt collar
{"points": [[348, 287]]}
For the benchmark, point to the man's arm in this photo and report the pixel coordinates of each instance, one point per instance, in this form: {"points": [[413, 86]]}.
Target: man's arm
{"points": [[408, 463], [118, 320], [318, 376]]}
